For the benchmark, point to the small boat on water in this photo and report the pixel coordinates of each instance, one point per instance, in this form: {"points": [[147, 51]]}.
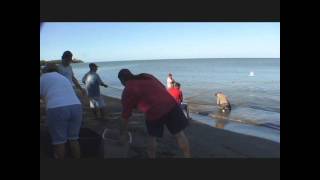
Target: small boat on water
{"points": [[251, 73]]}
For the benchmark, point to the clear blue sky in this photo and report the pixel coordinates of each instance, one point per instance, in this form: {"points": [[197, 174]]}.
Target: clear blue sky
{"points": [[93, 42]]}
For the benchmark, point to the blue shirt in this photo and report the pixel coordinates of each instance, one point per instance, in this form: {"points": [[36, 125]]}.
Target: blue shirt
{"points": [[92, 83]]}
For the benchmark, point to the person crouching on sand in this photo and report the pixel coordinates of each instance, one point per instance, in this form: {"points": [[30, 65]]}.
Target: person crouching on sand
{"points": [[223, 102], [176, 93], [64, 111], [150, 96], [92, 83]]}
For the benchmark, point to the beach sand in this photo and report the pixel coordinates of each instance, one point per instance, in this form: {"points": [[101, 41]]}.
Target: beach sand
{"points": [[205, 141]]}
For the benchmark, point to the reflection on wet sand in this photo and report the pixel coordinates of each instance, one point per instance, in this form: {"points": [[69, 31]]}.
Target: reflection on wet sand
{"points": [[222, 118]]}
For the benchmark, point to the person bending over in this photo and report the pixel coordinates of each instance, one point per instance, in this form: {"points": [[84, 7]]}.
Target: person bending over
{"points": [[149, 95]]}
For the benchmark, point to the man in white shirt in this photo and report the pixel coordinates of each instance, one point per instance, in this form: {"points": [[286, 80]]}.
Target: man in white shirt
{"points": [[64, 111], [66, 70], [92, 83], [170, 81]]}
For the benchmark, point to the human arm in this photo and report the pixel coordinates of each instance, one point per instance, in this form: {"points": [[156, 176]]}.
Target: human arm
{"points": [[84, 78], [101, 82], [76, 83], [129, 102], [104, 85]]}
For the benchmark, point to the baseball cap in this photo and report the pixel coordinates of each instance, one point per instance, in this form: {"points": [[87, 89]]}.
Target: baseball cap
{"points": [[91, 65]]}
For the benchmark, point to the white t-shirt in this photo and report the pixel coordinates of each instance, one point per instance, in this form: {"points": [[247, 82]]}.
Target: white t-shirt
{"points": [[57, 90], [92, 82], [66, 71], [169, 81]]}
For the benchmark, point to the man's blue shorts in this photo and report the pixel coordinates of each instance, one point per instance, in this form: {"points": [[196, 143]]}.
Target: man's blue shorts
{"points": [[64, 123]]}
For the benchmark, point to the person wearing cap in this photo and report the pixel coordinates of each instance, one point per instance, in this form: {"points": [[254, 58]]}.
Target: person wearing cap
{"points": [[223, 102], [92, 83], [63, 111], [149, 95], [170, 81], [66, 70]]}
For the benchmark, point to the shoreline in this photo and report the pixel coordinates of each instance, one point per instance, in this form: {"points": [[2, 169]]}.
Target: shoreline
{"points": [[256, 130], [205, 141]]}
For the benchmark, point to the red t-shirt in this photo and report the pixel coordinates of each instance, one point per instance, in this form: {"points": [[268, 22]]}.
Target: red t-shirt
{"points": [[176, 94], [149, 96]]}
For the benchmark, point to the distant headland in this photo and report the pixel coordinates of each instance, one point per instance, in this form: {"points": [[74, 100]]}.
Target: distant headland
{"points": [[43, 62]]}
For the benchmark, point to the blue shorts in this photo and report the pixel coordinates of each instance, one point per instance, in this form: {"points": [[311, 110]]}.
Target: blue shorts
{"points": [[64, 123]]}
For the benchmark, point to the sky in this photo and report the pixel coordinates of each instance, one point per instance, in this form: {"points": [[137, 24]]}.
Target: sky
{"points": [[94, 42]]}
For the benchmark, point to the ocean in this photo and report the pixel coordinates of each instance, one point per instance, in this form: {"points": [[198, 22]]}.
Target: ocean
{"points": [[251, 84]]}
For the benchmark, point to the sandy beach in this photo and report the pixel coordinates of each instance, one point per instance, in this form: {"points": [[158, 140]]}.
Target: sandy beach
{"points": [[205, 141]]}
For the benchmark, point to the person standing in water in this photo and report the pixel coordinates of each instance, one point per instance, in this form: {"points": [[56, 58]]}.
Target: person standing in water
{"points": [[176, 93], [223, 102], [170, 81], [149, 95], [92, 83]]}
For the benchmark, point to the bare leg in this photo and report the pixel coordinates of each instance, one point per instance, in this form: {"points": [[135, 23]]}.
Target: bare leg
{"points": [[75, 149], [152, 146], [183, 143], [59, 151]]}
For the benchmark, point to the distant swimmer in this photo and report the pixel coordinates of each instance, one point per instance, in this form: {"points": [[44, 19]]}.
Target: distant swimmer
{"points": [[223, 102]]}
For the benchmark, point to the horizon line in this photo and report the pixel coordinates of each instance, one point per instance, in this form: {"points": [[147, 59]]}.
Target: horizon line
{"points": [[173, 59], [183, 58]]}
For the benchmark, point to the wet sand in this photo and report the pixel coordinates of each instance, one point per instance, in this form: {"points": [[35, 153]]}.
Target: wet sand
{"points": [[205, 141]]}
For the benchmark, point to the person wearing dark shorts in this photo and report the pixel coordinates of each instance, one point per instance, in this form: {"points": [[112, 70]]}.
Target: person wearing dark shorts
{"points": [[149, 95], [175, 121]]}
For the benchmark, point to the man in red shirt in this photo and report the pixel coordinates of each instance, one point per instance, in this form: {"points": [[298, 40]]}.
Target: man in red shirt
{"points": [[149, 95], [176, 93]]}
